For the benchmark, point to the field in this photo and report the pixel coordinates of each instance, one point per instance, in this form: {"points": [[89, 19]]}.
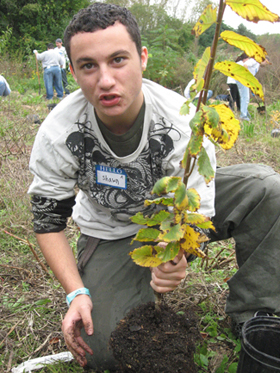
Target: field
{"points": [[32, 301]]}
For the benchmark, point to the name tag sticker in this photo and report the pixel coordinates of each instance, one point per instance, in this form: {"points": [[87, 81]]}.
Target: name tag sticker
{"points": [[111, 176]]}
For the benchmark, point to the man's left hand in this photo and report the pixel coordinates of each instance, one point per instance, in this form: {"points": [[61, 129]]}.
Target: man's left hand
{"points": [[167, 276]]}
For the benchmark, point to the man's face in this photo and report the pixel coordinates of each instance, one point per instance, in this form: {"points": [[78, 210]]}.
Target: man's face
{"points": [[58, 44], [108, 68]]}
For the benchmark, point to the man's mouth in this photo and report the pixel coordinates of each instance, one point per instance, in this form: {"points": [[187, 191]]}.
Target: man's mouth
{"points": [[109, 100]]}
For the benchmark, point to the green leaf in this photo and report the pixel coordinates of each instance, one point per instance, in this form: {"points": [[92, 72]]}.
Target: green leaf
{"points": [[204, 360], [181, 199], [158, 218], [204, 166], [232, 368], [221, 368], [173, 184], [194, 146], [185, 108], [167, 223], [144, 257], [166, 201], [194, 200], [146, 235], [139, 219], [174, 234], [155, 219], [160, 186], [166, 184], [169, 252], [183, 162], [211, 116], [200, 68], [195, 123]]}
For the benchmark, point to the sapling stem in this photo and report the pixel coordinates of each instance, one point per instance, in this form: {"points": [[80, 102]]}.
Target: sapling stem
{"points": [[158, 300], [203, 95]]}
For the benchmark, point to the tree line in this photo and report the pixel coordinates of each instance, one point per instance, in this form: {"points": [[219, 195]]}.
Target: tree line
{"points": [[166, 29]]}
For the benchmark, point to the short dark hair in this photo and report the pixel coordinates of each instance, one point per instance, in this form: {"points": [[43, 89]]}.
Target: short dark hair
{"points": [[100, 16], [242, 57], [50, 46]]}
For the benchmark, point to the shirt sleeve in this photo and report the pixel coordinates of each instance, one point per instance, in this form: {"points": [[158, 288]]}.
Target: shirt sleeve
{"points": [[50, 215]]}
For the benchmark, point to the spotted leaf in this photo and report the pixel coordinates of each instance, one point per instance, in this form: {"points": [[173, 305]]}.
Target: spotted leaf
{"points": [[207, 18], [241, 74], [252, 10], [251, 48]]}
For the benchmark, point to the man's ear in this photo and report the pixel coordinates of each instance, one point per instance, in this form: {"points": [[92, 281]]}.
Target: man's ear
{"points": [[72, 72], [144, 58]]}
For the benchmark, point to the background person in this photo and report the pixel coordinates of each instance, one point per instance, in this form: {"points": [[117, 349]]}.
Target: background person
{"points": [[52, 63], [114, 138], [61, 50], [244, 92], [234, 94], [5, 89], [188, 88]]}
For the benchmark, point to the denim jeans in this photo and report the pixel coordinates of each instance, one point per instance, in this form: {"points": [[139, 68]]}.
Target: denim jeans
{"points": [[244, 94], [52, 78], [64, 81]]}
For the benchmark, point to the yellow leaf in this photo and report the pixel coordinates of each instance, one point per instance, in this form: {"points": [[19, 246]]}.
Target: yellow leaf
{"points": [[229, 127], [241, 74], [207, 18], [144, 256], [251, 48], [252, 10], [199, 220], [199, 70], [192, 240]]}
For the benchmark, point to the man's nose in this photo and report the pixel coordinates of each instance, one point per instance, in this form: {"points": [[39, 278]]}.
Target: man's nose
{"points": [[106, 78]]}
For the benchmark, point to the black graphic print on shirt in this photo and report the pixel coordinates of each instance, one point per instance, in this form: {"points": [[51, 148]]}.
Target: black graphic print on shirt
{"points": [[141, 173]]}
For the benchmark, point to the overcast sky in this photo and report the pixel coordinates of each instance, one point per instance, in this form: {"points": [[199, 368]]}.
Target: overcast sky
{"points": [[232, 19]]}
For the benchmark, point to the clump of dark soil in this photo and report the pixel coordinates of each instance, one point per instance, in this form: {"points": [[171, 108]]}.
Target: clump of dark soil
{"points": [[148, 341]]}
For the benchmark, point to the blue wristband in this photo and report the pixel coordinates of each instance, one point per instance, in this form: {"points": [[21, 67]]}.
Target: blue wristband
{"points": [[74, 293]]}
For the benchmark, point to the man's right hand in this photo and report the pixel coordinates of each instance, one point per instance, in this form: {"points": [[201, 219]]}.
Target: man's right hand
{"points": [[78, 317]]}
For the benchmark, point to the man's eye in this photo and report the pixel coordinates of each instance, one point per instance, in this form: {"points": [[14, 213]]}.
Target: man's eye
{"points": [[118, 59], [88, 66]]}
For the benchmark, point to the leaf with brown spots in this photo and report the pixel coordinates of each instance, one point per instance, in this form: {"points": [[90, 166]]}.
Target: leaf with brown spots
{"points": [[252, 10], [241, 74], [251, 48], [207, 18]]}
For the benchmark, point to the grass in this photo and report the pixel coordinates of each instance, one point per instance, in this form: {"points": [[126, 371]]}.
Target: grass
{"points": [[32, 301]]}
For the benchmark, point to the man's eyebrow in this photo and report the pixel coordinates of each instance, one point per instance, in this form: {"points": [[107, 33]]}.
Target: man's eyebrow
{"points": [[115, 54], [84, 59]]}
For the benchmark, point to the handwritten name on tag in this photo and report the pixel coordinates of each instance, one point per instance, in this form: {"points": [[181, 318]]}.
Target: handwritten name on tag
{"points": [[114, 177]]}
